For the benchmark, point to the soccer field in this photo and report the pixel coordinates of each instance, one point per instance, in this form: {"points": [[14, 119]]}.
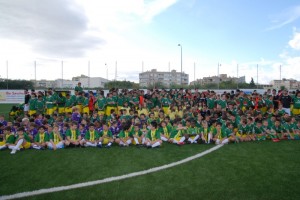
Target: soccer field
{"points": [[258, 170]]}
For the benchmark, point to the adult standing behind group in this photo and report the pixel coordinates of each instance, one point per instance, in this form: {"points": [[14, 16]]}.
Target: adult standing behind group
{"points": [[26, 101], [286, 101]]}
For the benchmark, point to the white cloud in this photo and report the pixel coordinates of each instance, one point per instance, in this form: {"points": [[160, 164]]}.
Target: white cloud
{"points": [[286, 17], [295, 42]]}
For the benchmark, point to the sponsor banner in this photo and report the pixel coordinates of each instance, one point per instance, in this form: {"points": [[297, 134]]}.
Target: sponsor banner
{"points": [[11, 96]]}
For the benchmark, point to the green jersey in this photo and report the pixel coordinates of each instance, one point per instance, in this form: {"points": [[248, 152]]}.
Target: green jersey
{"points": [[222, 103], [105, 133], [32, 104], [50, 102], [101, 103], [91, 135], [193, 131], [138, 133], [41, 138], [167, 130], [26, 137], [165, 102], [219, 135], [296, 102], [73, 134], [40, 106], [243, 129], [125, 134], [153, 135], [9, 139], [55, 137], [210, 103]]}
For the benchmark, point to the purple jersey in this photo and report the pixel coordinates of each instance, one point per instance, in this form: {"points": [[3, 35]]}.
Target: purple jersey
{"points": [[4, 122], [33, 132], [76, 117], [38, 122], [115, 130]]}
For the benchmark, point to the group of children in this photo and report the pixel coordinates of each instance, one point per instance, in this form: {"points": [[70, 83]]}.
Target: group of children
{"points": [[135, 118]]}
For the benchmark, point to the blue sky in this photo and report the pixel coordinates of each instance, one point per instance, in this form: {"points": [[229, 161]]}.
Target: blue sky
{"points": [[132, 32]]}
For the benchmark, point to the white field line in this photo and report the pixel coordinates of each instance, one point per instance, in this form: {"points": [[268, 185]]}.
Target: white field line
{"points": [[107, 180]]}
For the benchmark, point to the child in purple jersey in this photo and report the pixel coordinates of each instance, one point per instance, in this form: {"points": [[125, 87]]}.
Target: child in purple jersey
{"points": [[115, 129], [82, 130], [2, 121], [32, 131], [76, 115], [39, 120]]}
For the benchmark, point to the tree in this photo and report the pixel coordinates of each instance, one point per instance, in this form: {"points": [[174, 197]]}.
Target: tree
{"points": [[252, 84], [121, 85], [16, 84]]}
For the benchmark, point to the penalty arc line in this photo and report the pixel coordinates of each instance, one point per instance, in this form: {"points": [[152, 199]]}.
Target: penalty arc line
{"points": [[107, 180]]}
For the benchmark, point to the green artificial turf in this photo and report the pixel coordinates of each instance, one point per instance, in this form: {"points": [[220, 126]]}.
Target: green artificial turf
{"points": [[254, 170], [35, 169]]}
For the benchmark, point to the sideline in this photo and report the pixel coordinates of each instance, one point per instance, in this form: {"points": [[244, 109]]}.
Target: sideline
{"points": [[107, 180]]}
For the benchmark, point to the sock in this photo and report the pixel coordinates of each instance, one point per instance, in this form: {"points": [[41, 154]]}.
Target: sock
{"points": [[36, 147], [128, 141], [225, 141], [100, 143], [175, 141], [143, 141], [156, 144], [148, 144], [136, 141], [121, 142], [190, 140], [182, 139], [196, 138], [2, 147], [109, 144], [11, 147], [209, 138], [217, 141], [164, 138], [20, 142]]}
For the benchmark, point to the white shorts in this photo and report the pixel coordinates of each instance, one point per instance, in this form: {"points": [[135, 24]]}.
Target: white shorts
{"points": [[26, 107]]}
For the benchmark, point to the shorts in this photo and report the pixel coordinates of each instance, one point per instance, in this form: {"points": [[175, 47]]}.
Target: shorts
{"points": [[27, 145], [31, 112], [86, 110], [26, 107], [49, 111], [61, 110]]}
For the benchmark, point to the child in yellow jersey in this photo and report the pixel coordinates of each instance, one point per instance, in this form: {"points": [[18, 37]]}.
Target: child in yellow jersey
{"points": [[106, 137], [165, 131], [125, 136], [177, 134], [153, 136], [55, 139], [73, 136], [91, 137], [138, 135], [22, 141], [41, 139], [8, 138]]}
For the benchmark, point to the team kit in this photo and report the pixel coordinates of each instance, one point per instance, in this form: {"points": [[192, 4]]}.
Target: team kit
{"points": [[149, 119]]}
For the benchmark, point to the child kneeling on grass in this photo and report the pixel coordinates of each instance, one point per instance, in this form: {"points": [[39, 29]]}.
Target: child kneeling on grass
{"points": [[55, 139]]}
